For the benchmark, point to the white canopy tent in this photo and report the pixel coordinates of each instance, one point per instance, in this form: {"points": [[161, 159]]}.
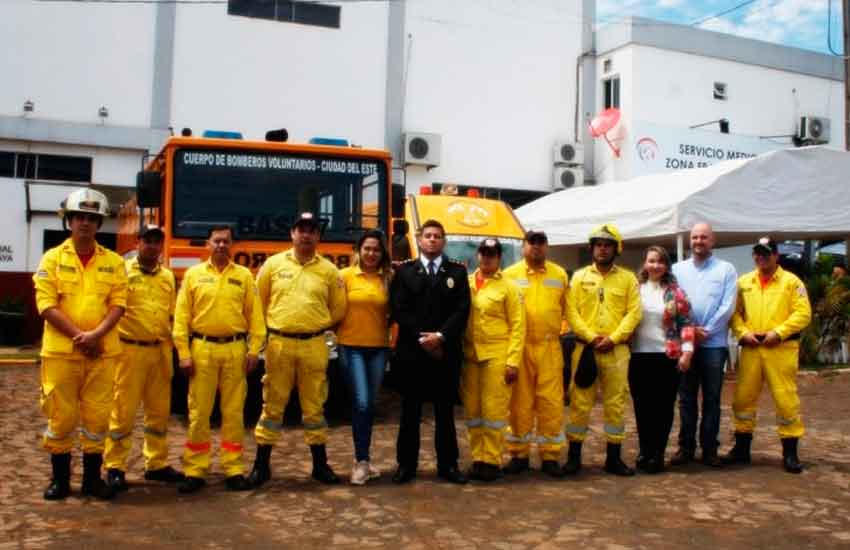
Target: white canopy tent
{"points": [[789, 194]]}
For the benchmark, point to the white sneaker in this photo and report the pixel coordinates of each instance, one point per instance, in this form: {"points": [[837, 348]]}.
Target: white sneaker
{"points": [[374, 473], [360, 473]]}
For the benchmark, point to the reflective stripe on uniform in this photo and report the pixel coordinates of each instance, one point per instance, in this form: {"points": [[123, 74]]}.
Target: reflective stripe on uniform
{"points": [[494, 424], [744, 416], [553, 283], [543, 440], [53, 435], [614, 430], [785, 421], [474, 422], [92, 436], [231, 446], [573, 429], [153, 431], [523, 283], [272, 425], [312, 426], [117, 436], [526, 438], [198, 447]]}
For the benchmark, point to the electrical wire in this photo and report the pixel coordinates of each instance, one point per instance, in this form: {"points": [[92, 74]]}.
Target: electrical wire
{"points": [[699, 22]]}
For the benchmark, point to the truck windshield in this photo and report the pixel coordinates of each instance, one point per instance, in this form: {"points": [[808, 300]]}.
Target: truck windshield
{"points": [[260, 193], [464, 248]]}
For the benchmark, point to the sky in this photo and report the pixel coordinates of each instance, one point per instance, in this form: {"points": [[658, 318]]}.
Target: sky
{"points": [[798, 23]]}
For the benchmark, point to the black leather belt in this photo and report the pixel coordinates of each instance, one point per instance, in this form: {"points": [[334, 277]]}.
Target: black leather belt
{"points": [[139, 342], [219, 339], [296, 335]]}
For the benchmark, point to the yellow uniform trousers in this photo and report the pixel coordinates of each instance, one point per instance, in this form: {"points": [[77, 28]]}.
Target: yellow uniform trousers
{"points": [[290, 363], [217, 367], [538, 394], [486, 401], [778, 367], [143, 374], [613, 378], [76, 393]]}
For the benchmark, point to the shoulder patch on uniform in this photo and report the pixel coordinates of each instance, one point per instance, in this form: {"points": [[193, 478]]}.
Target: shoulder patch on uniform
{"points": [[801, 290], [233, 281]]}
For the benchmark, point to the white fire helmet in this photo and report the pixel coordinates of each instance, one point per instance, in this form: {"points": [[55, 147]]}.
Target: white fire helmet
{"points": [[88, 201]]}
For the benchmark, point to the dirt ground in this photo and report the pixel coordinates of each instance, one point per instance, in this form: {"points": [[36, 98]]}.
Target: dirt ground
{"points": [[694, 507]]}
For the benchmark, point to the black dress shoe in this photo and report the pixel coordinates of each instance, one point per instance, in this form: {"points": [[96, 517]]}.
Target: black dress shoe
{"points": [[488, 473], [681, 457], [238, 483], [475, 471], [404, 475], [115, 479], [710, 458], [166, 475], [641, 462], [453, 475], [191, 485]]}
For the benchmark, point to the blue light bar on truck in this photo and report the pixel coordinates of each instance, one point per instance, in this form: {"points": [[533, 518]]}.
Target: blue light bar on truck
{"points": [[222, 134], [336, 142]]}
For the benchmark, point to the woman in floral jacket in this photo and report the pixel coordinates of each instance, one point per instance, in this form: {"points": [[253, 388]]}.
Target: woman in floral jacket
{"points": [[662, 347]]}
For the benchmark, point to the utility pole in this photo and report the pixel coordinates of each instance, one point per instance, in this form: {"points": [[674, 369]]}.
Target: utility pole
{"points": [[846, 12]]}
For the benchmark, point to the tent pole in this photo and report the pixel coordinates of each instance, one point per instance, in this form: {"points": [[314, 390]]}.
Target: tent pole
{"points": [[680, 247]]}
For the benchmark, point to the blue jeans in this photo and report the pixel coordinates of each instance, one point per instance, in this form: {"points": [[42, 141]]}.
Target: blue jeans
{"points": [[364, 371], [706, 371]]}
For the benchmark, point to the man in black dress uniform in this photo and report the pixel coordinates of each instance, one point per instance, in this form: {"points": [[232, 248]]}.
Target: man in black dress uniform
{"points": [[429, 298]]}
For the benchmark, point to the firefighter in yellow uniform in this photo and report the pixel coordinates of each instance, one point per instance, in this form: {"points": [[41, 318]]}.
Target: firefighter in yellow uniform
{"points": [[772, 310], [144, 370], [81, 292], [218, 333], [302, 296], [603, 309], [492, 354], [538, 395]]}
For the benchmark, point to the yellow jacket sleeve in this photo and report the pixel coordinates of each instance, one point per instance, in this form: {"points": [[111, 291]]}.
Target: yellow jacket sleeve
{"points": [[256, 320], [182, 315], [337, 299], [801, 311], [46, 291], [738, 323], [264, 286], [580, 327], [565, 325], [634, 313], [118, 293], [515, 310]]}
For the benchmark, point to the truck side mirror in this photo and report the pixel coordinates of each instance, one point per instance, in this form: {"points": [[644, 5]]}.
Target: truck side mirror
{"points": [[397, 201], [148, 189]]}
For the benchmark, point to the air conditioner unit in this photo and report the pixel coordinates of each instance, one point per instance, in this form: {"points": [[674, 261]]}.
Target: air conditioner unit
{"points": [[568, 152], [422, 149], [813, 130], [564, 177]]}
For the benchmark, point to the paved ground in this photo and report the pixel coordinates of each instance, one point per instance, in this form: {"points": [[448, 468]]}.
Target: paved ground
{"points": [[755, 507]]}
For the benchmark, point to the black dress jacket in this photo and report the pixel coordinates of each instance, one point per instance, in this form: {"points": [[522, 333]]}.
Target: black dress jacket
{"points": [[424, 303]]}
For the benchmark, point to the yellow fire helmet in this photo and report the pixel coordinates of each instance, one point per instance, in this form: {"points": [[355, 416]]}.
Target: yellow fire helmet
{"points": [[608, 232], [88, 201]]}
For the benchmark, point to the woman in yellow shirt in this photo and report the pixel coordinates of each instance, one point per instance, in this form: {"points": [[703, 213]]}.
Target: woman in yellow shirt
{"points": [[363, 340], [492, 351]]}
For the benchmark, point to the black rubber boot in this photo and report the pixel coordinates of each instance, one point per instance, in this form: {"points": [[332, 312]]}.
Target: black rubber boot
{"points": [[551, 468], [60, 483], [93, 484], [681, 457], [740, 453], [573, 464], [789, 456], [489, 472], [262, 471], [517, 465], [321, 471], [614, 464]]}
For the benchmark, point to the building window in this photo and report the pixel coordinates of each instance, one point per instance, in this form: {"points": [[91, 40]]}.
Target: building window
{"points": [[33, 166], [611, 89], [720, 91], [287, 11], [7, 164]]}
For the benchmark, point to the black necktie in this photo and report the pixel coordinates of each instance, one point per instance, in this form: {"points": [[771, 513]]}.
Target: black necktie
{"points": [[432, 268]]}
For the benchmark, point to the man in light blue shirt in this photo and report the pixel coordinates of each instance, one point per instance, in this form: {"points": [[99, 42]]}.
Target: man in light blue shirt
{"points": [[710, 284]]}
